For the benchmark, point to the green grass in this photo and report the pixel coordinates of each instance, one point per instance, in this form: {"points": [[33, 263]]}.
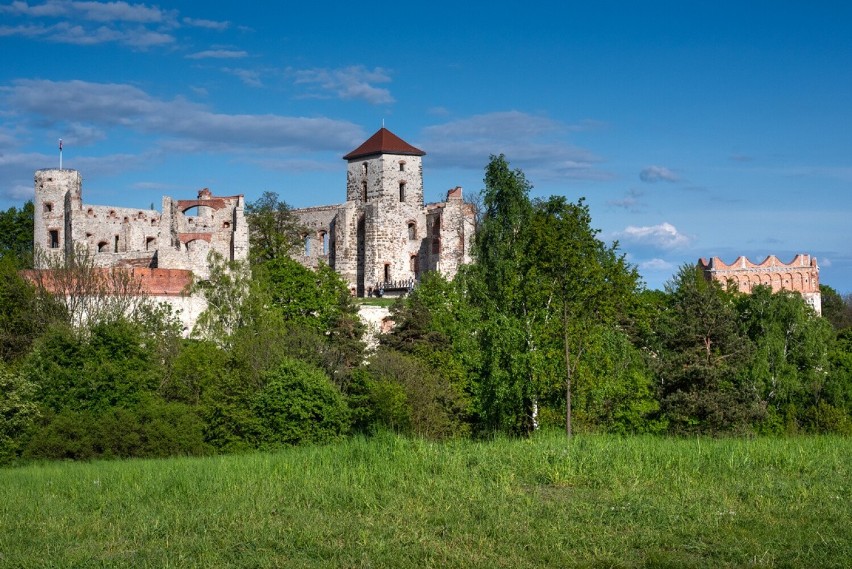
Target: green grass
{"points": [[598, 501]]}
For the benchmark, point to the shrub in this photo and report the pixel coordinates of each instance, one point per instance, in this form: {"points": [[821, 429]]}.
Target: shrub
{"points": [[299, 404]]}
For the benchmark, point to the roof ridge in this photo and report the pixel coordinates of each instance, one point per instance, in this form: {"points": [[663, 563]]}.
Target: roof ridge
{"points": [[384, 142]]}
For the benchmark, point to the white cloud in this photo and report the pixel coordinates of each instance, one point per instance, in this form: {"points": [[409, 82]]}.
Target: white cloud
{"points": [[249, 77], [188, 125], [630, 202], [207, 24], [535, 143], [218, 54], [653, 174], [661, 236], [353, 82], [93, 11], [656, 265]]}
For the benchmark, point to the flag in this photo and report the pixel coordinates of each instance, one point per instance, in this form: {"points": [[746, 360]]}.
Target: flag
{"points": [[60, 145]]}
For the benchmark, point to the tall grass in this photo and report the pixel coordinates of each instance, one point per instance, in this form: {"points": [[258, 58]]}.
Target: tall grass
{"points": [[598, 501]]}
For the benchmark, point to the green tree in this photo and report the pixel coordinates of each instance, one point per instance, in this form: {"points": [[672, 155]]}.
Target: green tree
{"points": [[25, 312], [835, 308], [570, 274], [274, 231], [789, 366], [16, 235], [703, 358], [19, 412], [506, 393]]}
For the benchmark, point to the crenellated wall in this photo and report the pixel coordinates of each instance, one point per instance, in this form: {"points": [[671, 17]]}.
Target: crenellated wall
{"points": [[799, 275]]}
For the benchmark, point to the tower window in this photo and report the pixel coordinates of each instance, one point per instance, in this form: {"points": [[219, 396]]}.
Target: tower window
{"points": [[364, 191], [116, 244], [54, 239], [48, 207], [387, 272], [402, 166], [324, 238], [412, 230], [307, 245], [402, 191]]}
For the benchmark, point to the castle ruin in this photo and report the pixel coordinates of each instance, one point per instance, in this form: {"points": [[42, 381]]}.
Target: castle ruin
{"points": [[384, 236], [799, 275]]}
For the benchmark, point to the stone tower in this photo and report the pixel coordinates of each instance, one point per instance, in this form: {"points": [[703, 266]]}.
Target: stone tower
{"points": [[57, 194], [384, 180]]}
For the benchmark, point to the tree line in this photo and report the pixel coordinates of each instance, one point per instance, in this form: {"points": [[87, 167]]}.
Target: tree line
{"points": [[549, 327]]}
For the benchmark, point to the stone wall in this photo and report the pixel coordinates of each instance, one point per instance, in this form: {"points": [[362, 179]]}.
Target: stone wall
{"points": [[164, 250]]}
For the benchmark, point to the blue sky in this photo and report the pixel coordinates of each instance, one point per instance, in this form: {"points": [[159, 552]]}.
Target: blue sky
{"points": [[693, 129]]}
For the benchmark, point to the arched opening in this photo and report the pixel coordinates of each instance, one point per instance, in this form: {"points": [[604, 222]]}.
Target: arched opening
{"points": [[324, 239], [412, 230], [307, 239], [103, 247]]}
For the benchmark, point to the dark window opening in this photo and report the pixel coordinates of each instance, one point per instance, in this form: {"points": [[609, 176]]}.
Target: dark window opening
{"points": [[102, 247], [116, 244], [364, 191], [54, 239], [412, 230], [387, 272], [149, 242], [402, 166], [402, 191], [48, 207]]}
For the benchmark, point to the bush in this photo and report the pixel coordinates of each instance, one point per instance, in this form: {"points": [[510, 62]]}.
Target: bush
{"points": [[399, 392], [299, 404], [151, 429], [18, 413]]}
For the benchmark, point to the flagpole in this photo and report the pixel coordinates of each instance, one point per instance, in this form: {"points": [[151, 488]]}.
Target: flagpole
{"points": [[60, 154]]}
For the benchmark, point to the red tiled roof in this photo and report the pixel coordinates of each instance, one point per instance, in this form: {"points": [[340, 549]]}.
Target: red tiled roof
{"points": [[384, 142]]}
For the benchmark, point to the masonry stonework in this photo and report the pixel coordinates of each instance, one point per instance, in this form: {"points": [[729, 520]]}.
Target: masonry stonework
{"points": [[799, 275], [383, 238], [162, 250]]}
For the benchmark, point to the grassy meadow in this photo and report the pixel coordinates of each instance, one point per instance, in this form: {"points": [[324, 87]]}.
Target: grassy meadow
{"points": [[596, 501]]}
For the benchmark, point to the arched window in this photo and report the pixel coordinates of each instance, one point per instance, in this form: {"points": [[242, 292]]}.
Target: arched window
{"points": [[324, 239], [364, 191], [412, 230], [307, 245]]}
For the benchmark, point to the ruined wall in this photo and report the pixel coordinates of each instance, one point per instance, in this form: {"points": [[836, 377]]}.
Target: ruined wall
{"points": [[319, 236], [218, 224], [799, 275]]}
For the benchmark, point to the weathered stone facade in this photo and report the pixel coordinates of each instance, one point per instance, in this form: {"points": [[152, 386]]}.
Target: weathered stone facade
{"points": [[135, 238], [384, 236], [162, 250], [799, 275]]}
